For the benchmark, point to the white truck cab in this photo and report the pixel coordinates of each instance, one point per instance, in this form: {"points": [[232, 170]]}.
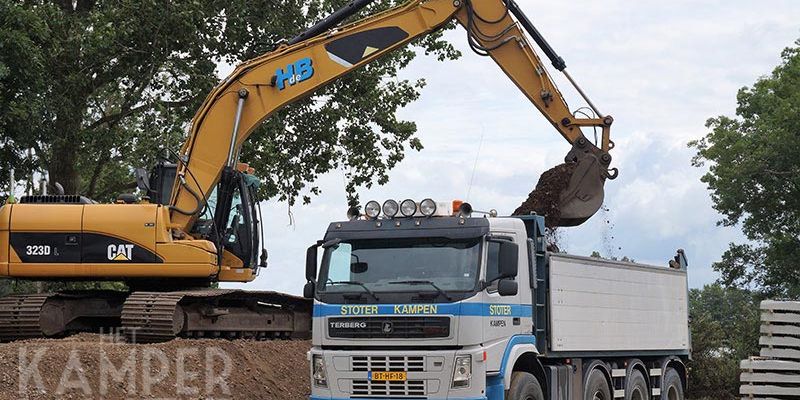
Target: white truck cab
{"points": [[443, 305]]}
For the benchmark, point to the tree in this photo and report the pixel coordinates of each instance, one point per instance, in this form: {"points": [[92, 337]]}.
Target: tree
{"points": [[21, 76], [725, 330], [96, 87], [754, 179]]}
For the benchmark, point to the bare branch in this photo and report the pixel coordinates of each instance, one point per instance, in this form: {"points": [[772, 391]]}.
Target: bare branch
{"points": [[128, 111]]}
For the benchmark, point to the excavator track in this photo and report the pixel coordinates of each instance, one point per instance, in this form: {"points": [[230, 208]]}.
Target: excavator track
{"points": [[30, 316], [19, 316], [149, 317]]}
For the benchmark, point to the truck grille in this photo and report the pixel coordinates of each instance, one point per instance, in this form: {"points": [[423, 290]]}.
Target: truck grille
{"points": [[389, 327], [367, 388], [392, 363], [395, 389]]}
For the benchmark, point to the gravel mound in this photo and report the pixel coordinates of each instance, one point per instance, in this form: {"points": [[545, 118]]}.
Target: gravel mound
{"points": [[104, 367]]}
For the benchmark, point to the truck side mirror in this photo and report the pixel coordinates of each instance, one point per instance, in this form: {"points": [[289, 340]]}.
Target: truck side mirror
{"points": [[508, 259], [308, 290], [359, 267], [507, 287], [311, 263]]}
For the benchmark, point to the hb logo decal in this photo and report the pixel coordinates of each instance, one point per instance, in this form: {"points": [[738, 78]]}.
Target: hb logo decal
{"points": [[298, 71], [120, 252]]}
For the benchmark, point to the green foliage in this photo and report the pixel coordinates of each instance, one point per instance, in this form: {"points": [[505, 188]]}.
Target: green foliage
{"points": [[96, 87], [10, 286], [725, 330], [22, 78], [754, 179]]}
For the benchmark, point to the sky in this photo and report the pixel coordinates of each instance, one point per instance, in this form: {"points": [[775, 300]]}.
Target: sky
{"points": [[660, 68]]}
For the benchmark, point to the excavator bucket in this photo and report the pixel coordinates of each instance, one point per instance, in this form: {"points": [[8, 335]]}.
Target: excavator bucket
{"points": [[570, 193], [584, 194]]}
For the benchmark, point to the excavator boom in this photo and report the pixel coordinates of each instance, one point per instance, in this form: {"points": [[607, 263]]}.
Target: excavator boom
{"points": [[206, 228], [259, 87]]}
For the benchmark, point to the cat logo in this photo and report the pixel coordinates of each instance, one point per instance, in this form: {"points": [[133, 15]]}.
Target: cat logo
{"points": [[120, 252]]}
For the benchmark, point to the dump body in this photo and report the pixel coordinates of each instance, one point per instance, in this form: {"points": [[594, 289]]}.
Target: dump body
{"points": [[603, 305]]}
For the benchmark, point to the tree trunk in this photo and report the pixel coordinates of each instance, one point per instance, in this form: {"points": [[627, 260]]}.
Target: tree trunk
{"points": [[62, 168], [64, 153]]}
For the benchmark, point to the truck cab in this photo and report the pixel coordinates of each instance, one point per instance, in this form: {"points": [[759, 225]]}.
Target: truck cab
{"points": [[426, 302]]}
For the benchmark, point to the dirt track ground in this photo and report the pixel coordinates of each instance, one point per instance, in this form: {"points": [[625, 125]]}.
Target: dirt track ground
{"points": [[98, 367]]}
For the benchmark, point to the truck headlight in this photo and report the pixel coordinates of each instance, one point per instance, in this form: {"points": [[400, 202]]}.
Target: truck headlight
{"points": [[427, 207], [390, 208], [372, 209], [408, 208], [318, 371], [462, 372]]}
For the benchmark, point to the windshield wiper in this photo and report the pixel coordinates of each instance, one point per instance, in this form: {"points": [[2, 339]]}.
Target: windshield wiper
{"points": [[366, 289], [421, 282]]}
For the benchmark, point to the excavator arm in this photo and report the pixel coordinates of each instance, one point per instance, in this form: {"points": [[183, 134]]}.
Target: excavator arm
{"points": [[259, 87]]}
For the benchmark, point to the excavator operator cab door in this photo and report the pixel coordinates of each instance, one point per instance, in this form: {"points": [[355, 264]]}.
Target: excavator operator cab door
{"points": [[230, 218]]}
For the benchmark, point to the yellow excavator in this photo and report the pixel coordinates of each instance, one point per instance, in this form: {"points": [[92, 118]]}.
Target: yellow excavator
{"points": [[198, 221]]}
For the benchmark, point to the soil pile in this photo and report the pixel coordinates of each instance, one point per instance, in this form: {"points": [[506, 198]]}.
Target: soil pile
{"points": [[545, 198], [96, 366]]}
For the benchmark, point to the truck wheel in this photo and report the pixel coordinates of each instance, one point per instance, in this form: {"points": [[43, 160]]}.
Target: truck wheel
{"points": [[524, 386], [636, 388], [673, 387], [597, 386]]}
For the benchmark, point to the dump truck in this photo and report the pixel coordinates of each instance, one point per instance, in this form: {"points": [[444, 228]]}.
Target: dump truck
{"points": [[431, 303]]}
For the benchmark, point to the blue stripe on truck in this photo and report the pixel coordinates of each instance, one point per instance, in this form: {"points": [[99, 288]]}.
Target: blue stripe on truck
{"points": [[461, 309], [429, 398]]}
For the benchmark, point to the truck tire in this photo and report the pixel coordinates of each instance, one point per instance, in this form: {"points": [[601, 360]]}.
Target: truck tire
{"points": [[673, 387], [524, 386], [636, 388], [597, 386]]}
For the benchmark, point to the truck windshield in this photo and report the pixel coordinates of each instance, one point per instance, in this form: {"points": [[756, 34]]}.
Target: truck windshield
{"points": [[399, 265]]}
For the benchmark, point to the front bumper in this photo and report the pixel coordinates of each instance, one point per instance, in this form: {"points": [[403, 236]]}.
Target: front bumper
{"points": [[429, 374]]}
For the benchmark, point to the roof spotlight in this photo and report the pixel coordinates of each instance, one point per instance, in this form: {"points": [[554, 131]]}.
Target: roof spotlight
{"points": [[390, 208], [465, 210], [353, 213], [408, 208], [372, 209], [427, 207]]}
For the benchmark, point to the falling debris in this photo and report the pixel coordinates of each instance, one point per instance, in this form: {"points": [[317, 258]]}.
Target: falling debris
{"points": [[554, 238], [610, 248], [545, 199]]}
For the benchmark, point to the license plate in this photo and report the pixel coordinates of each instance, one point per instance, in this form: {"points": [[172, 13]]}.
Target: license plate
{"points": [[387, 376]]}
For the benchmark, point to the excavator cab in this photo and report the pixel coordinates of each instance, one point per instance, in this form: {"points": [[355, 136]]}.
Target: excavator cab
{"points": [[231, 217]]}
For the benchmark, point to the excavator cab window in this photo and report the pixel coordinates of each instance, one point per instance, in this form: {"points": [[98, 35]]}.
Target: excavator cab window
{"points": [[230, 218], [234, 232], [204, 227], [237, 221]]}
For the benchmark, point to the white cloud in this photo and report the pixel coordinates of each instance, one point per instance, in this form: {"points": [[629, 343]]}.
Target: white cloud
{"points": [[661, 68]]}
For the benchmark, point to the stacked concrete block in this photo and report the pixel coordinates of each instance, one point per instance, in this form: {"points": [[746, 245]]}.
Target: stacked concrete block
{"points": [[775, 374]]}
